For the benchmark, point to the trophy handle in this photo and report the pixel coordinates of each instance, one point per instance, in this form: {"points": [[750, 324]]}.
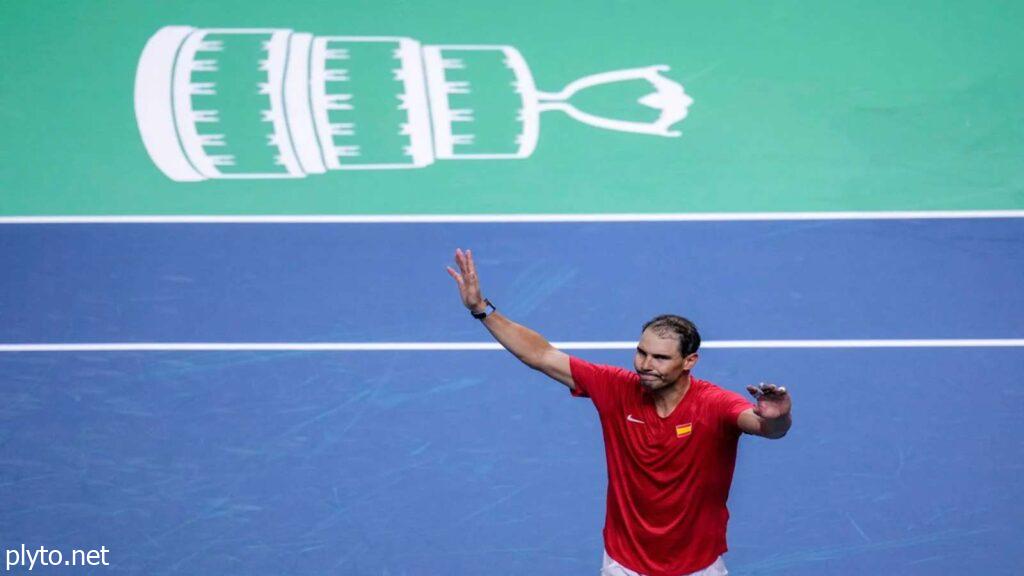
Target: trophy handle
{"points": [[668, 96]]}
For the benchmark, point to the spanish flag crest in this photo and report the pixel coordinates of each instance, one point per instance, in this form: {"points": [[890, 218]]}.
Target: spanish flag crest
{"points": [[684, 429]]}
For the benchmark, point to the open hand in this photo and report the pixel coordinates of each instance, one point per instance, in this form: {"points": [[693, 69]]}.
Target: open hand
{"points": [[469, 284], [772, 401]]}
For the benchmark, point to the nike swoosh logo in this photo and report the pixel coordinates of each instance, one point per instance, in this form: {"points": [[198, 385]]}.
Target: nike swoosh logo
{"points": [[629, 418]]}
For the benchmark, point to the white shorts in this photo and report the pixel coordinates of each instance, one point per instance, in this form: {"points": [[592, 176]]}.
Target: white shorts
{"points": [[612, 568]]}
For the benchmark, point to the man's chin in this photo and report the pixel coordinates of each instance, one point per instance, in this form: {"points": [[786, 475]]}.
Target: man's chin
{"points": [[650, 383]]}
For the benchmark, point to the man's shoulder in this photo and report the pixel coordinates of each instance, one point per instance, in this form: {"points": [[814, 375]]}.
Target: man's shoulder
{"points": [[607, 372], [710, 390], [715, 398], [600, 382]]}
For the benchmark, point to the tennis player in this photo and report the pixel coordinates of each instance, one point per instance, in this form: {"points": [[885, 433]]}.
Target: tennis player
{"points": [[670, 438]]}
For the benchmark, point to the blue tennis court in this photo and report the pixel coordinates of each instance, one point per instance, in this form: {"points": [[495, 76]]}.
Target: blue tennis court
{"points": [[901, 460]]}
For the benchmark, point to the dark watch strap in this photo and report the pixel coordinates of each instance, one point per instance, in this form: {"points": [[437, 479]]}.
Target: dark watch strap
{"points": [[485, 313]]}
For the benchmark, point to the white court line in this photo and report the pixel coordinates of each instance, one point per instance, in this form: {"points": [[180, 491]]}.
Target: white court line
{"points": [[473, 346], [516, 218]]}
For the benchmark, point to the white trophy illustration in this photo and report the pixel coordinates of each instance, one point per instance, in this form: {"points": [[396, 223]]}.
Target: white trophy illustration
{"points": [[273, 103]]}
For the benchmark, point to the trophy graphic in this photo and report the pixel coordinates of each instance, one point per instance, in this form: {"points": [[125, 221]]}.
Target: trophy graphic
{"points": [[221, 103]]}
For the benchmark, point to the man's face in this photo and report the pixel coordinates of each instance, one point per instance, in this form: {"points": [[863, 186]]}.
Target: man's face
{"points": [[658, 361]]}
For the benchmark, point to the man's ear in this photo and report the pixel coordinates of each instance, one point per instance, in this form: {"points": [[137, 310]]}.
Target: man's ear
{"points": [[690, 361]]}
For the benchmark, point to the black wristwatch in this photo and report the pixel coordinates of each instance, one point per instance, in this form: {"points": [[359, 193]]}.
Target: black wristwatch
{"points": [[485, 313]]}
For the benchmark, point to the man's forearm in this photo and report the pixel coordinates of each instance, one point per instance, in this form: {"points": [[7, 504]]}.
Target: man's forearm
{"points": [[528, 346]]}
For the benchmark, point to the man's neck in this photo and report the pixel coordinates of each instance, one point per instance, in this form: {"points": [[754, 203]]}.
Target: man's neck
{"points": [[666, 399]]}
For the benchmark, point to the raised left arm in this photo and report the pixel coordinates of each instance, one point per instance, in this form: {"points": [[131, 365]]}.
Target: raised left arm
{"points": [[772, 417]]}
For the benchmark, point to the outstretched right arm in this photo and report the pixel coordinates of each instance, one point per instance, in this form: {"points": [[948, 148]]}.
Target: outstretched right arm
{"points": [[528, 346]]}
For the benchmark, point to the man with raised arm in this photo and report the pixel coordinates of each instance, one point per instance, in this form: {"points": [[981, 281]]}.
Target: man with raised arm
{"points": [[670, 438]]}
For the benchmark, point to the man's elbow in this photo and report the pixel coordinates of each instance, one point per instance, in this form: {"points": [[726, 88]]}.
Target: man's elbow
{"points": [[537, 358], [533, 360]]}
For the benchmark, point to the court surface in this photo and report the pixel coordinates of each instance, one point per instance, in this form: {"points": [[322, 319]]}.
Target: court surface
{"points": [[301, 461]]}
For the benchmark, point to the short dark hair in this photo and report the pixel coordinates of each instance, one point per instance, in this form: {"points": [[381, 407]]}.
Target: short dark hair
{"points": [[672, 325]]}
